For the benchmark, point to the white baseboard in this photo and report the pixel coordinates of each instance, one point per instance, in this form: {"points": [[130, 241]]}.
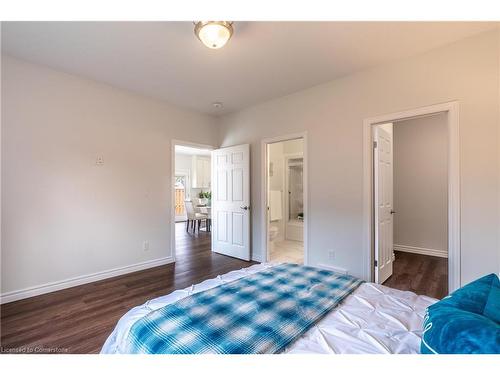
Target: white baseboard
{"points": [[79, 280], [422, 250], [333, 268]]}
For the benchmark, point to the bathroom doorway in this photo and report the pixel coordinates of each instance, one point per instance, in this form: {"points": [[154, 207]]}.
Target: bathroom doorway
{"points": [[285, 217]]}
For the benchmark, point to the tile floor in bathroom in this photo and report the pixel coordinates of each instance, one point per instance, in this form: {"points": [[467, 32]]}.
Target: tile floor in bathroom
{"points": [[288, 251]]}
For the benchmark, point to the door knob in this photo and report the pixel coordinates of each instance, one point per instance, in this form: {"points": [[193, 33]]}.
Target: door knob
{"points": [[393, 212], [245, 207]]}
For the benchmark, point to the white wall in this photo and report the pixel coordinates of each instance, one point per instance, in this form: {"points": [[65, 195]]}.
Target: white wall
{"points": [[388, 127], [333, 113], [184, 162], [63, 216], [421, 183], [293, 146]]}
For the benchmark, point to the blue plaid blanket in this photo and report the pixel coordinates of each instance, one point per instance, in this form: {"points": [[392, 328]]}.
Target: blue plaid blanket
{"points": [[261, 313]]}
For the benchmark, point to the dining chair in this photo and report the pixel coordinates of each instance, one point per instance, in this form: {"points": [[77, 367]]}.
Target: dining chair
{"points": [[193, 218], [207, 210]]}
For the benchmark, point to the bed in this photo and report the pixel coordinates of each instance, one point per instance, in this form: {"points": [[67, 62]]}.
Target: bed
{"points": [[370, 319]]}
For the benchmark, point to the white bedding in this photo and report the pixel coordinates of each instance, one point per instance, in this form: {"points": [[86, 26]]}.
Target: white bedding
{"points": [[373, 319]]}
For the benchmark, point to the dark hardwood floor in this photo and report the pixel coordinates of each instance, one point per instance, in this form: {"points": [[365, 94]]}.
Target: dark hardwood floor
{"points": [[79, 319], [421, 274]]}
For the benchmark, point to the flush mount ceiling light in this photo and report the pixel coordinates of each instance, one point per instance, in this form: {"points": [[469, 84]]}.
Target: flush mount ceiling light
{"points": [[213, 34]]}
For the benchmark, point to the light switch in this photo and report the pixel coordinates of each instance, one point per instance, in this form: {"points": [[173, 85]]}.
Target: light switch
{"points": [[331, 255], [99, 160]]}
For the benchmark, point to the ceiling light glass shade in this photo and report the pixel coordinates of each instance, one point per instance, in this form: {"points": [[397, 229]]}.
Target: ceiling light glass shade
{"points": [[214, 34]]}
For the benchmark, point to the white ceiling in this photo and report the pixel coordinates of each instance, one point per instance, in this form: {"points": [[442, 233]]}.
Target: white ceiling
{"points": [[263, 60], [186, 150]]}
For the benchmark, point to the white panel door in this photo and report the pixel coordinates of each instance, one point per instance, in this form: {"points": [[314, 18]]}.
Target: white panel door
{"points": [[383, 197], [231, 201]]}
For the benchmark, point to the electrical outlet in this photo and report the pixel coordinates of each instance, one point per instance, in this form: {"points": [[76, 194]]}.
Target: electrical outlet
{"points": [[99, 160], [145, 245], [331, 255]]}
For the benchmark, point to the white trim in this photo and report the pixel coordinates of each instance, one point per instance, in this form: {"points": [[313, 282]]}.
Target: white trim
{"points": [[421, 250], [333, 268], [264, 255], [452, 109], [172, 184], [79, 280]]}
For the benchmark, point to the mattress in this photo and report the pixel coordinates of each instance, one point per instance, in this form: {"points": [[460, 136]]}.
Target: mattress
{"points": [[373, 319]]}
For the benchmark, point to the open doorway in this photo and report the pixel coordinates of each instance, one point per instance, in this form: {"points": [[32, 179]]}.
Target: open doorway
{"points": [[411, 224], [414, 200], [191, 198], [285, 186]]}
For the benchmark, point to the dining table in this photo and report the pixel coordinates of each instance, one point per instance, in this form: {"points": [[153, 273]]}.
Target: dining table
{"points": [[207, 210]]}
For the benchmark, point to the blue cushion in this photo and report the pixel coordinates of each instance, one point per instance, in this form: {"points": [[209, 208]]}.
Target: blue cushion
{"points": [[492, 308], [467, 321]]}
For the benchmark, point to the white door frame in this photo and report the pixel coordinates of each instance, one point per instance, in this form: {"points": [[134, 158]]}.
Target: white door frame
{"points": [[177, 142], [263, 193], [452, 110]]}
